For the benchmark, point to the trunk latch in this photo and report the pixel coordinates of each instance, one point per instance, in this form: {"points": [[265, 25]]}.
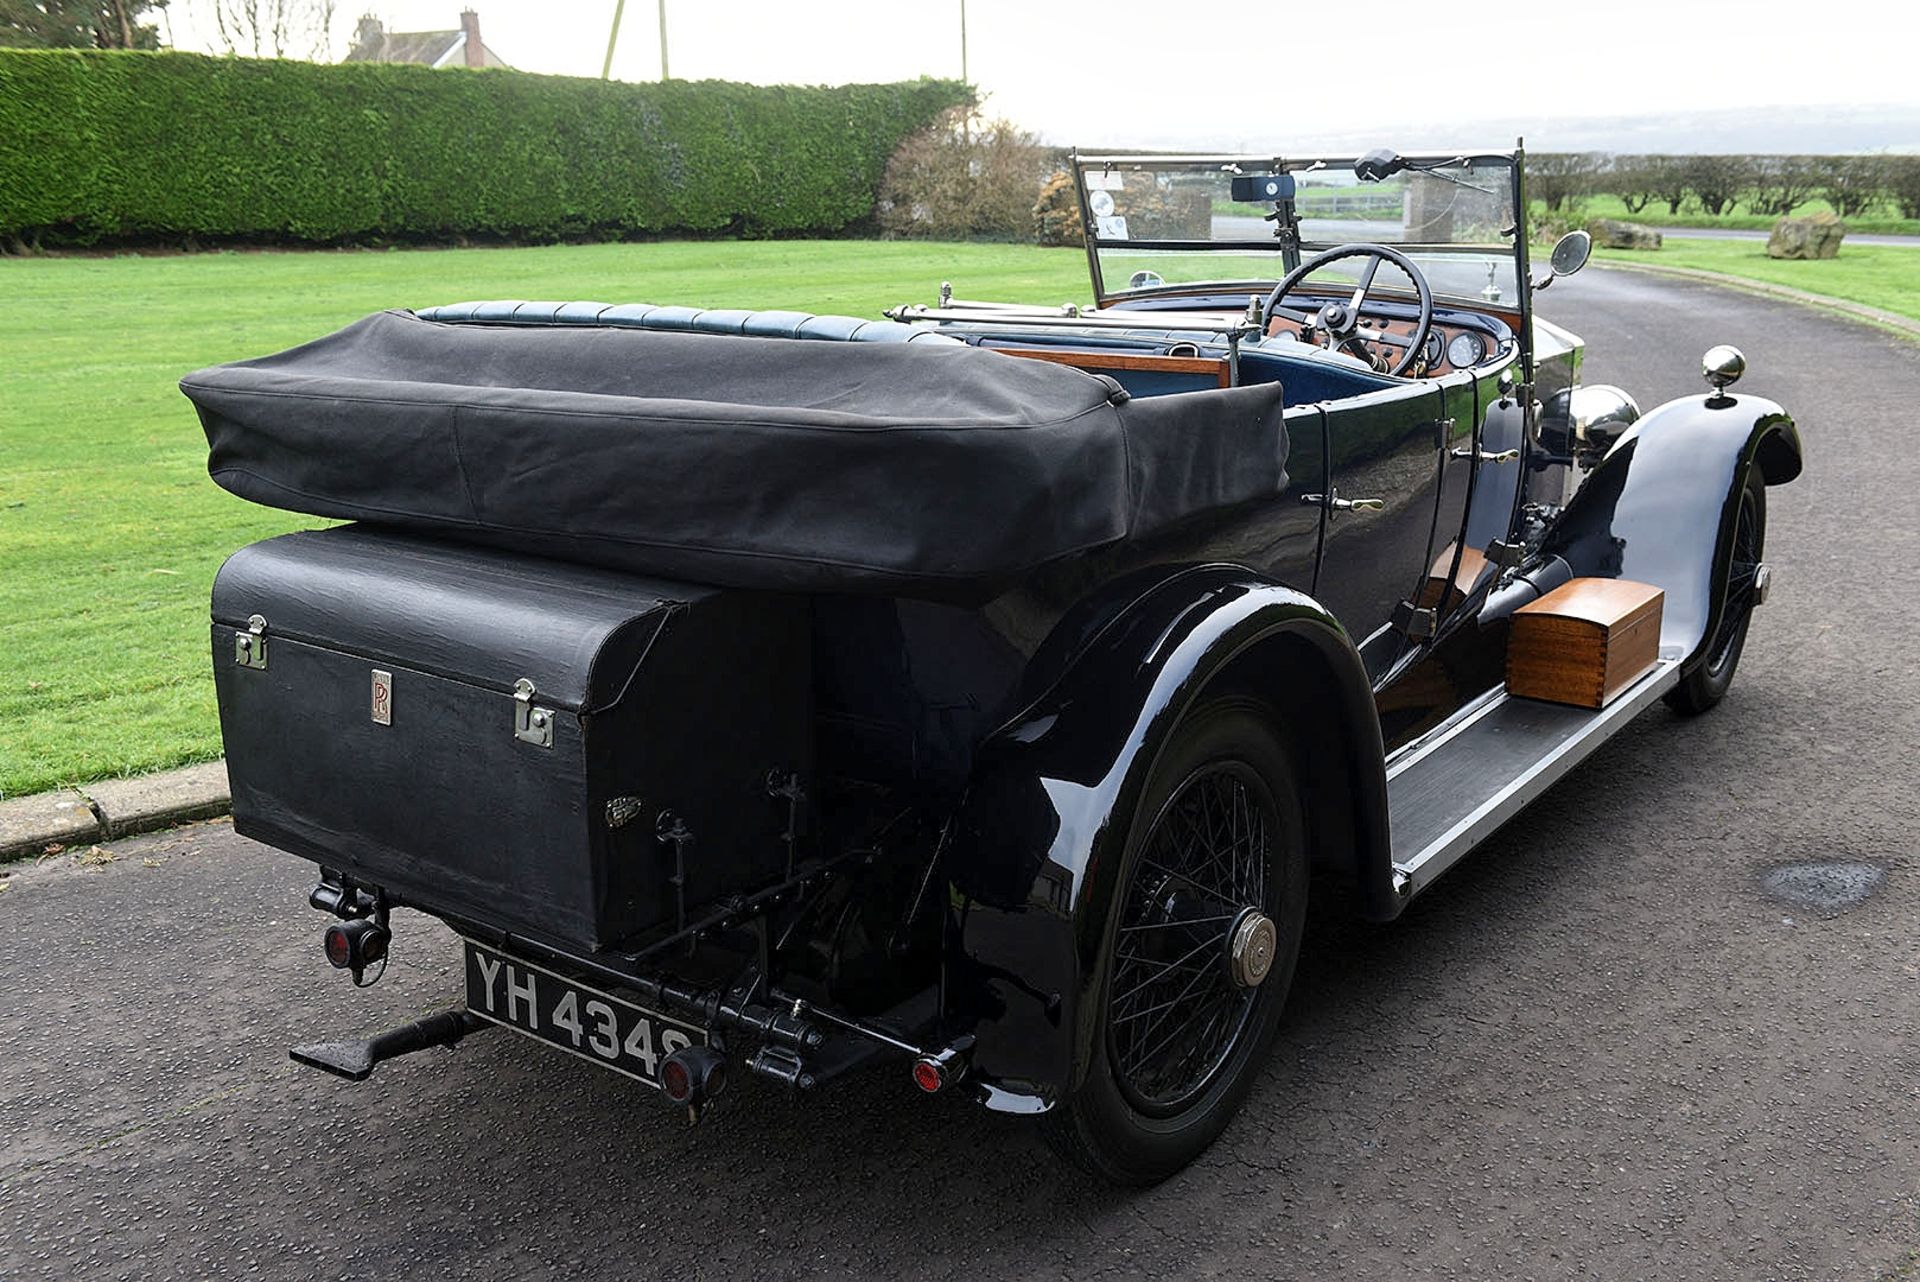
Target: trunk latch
{"points": [[250, 647], [531, 723]]}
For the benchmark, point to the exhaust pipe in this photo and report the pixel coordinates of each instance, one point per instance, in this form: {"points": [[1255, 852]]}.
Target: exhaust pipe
{"points": [[354, 1060]]}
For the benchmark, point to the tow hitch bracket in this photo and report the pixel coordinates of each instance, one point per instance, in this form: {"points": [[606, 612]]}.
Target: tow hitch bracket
{"points": [[354, 1060]]}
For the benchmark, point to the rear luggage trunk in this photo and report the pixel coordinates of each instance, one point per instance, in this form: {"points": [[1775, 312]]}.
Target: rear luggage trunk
{"points": [[367, 684]]}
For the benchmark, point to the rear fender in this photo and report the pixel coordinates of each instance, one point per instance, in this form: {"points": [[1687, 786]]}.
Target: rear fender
{"points": [[1037, 842], [1660, 507]]}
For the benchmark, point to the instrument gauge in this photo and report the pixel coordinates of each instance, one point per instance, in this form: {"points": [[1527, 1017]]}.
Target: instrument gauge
{"points": [[1435, 348], [1466, 349]]}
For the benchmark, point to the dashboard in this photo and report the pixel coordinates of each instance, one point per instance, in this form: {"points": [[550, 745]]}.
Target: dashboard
{"points": [[1452, 343]]}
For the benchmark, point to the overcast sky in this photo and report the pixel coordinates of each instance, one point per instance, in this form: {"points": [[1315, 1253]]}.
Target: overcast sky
{"points": [[1158, 74]]}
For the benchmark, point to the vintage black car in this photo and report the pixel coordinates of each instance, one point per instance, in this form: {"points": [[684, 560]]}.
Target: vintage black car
{"points": [[979, 688]]}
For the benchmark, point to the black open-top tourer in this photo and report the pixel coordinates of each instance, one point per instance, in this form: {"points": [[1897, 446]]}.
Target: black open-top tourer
{"points": [[761, 693]]}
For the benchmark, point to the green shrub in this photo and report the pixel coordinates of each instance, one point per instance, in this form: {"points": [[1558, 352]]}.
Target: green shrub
{"points": [[1056, 214], [130, 146], [963, 178]]}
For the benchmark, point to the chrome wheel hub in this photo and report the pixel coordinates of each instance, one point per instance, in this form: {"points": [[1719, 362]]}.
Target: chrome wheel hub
{"points": [[1250, 948]]}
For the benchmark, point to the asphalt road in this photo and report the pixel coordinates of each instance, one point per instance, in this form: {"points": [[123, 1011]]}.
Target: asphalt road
{"points": [[1599, 1048]]}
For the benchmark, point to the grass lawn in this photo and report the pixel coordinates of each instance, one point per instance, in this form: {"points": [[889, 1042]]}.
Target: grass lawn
{"points": [[1882, 219], [1885, 276], [110, 531]]}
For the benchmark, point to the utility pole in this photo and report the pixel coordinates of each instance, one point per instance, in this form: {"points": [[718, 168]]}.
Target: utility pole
{"points": [[963, 38], [613, 37], [606, 67]]}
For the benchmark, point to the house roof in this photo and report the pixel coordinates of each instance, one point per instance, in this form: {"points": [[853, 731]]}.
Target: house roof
{"points": [[428, 47]]}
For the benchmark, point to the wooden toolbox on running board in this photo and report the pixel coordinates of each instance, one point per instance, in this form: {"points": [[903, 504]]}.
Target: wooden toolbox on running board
{"points": [[1584, 642]]}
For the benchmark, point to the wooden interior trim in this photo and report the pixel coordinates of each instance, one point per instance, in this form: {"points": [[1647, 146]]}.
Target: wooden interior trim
{"points": [[1096, 360]]}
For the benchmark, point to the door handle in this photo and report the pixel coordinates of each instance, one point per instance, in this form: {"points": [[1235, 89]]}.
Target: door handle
{"points": [[1504, 456], [1334, 503]]}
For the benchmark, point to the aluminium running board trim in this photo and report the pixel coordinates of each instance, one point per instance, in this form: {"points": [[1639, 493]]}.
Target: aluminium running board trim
{"points": [[1417, 868]]}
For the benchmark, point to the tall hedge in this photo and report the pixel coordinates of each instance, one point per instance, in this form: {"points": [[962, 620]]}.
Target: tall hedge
{"points": [[99, 145]]}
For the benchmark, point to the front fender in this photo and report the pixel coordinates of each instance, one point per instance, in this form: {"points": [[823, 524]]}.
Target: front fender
{"points": [[1661, 506], [1037, 842]]}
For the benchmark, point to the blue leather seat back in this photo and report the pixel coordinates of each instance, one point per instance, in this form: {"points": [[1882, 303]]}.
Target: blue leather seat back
{"points": [[695, 320]]}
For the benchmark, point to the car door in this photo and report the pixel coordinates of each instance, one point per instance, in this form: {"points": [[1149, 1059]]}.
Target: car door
{"points": [[1479, 490], [1387, 459], [1476, 469]]}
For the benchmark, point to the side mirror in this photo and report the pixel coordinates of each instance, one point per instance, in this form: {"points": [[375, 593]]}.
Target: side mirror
{"points": [[1570, 254]]}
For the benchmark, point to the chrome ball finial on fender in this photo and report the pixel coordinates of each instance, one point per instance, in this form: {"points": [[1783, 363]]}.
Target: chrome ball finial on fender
{"points": [[1722, 366]]}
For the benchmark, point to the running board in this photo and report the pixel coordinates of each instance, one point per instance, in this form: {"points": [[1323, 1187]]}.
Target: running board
{"points": [[1452, 790]]}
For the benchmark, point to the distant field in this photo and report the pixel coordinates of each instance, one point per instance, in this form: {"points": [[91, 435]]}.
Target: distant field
{"points": [[1884, 221], [1886, 276], [110, 530]]}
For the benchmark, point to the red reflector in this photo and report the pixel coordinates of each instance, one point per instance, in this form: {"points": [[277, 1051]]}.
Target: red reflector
{"points": [[676, 1081], [926, 1075], [339, 948]]}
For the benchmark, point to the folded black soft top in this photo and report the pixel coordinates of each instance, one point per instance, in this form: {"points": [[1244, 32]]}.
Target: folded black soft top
{"points": [[753, 462]]}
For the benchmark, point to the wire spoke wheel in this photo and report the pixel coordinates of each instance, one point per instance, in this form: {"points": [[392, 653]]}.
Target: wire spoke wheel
{"points": [[1179, 995], [1200, 934], [1741, 576], [1706, 684]]}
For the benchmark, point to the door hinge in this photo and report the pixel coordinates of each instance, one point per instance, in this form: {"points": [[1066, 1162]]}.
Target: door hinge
{"points": [[530, 722], [1442, 432], [1334, 503], [1415, 622], [1505, 555], [250, 647], [1502, 456]]}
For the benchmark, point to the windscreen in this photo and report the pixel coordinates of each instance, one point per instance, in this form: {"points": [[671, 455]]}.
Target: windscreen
{"points": [[1162, 222]]}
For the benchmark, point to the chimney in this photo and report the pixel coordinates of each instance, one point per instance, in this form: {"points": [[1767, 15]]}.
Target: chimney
{"points": [[476, 52]]}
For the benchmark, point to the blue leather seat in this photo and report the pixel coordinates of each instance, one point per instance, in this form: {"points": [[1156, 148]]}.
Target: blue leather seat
{"points": [[693, 320]]}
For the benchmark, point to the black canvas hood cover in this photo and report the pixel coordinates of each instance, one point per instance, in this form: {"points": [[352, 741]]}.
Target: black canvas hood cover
{"points": [[743, 461]]}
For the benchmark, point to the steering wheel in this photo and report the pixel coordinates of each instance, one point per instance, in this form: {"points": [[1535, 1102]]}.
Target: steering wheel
{"points": [[1339, 321]]}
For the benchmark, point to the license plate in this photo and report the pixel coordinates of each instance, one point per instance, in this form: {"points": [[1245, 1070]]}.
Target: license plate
{"points": [[563, 1012]]}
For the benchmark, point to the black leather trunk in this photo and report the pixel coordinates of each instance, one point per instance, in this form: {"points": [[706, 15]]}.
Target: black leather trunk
{"points": [[372, 725]]}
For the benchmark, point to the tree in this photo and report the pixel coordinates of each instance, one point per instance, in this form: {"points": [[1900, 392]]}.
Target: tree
{"points": [[1850, 183], [1781, 183], [1718, 182], [78, 24], [275, 28], [1666, 178], [1559, 177], [1632, 180], [1901, 176]]}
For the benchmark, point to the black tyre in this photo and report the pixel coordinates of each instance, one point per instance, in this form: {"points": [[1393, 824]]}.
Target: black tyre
{"points": [[1199, 951], [1707, 684]]}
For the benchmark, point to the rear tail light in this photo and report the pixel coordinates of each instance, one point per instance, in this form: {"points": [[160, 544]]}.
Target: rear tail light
{"points": [[355, 945], [943, 1067], [339, 948], [927, 1075], [693, 1075]]}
